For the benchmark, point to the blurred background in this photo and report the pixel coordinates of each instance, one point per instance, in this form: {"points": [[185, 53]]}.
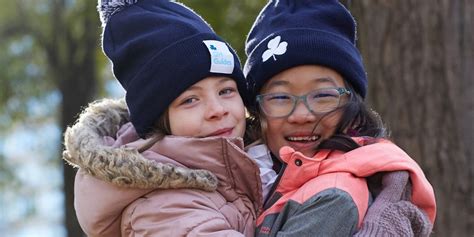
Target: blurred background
{"points": [[418, 54]]}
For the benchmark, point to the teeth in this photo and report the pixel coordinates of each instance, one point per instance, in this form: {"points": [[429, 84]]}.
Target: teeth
{"points": [[303, 139]]}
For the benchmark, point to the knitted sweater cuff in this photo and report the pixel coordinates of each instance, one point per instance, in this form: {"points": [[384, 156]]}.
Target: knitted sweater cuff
{"points": [[370, 229]]}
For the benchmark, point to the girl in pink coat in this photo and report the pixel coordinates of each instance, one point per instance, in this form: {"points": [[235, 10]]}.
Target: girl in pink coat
{"points": [[182, 83]]}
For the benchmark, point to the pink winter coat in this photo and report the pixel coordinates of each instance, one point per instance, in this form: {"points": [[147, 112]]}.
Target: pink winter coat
{"points": [[106, 209]]}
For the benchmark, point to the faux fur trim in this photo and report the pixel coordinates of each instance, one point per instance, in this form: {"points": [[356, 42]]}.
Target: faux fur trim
{"points": [[125, 167]]}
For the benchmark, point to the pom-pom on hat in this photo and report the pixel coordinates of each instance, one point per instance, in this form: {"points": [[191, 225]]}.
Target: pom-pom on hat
{"points": [[289, 33], [159, 49]]}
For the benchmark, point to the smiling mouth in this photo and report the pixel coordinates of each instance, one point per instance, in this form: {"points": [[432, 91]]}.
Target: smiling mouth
{"points": [[221, 132], [303, 139]]}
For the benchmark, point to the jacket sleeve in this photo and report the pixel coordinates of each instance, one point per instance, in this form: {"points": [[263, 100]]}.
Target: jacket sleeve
{"points": [[183, 212], [99, 204], [392, 214], [330, 213]]}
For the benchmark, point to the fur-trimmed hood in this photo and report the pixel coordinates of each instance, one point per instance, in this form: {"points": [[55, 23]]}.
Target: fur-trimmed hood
{"points": [[86, 148], [103, 144]]}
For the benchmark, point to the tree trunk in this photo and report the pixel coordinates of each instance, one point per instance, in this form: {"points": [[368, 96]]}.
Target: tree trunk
{"points": [[419, 60], [73, 64], [76, 93]]}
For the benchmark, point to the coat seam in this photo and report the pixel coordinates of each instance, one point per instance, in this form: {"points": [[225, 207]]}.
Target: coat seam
{"points": [[227, 163]]}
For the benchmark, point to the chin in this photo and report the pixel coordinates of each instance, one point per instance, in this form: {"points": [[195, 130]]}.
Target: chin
{"points": [[309, 153]]}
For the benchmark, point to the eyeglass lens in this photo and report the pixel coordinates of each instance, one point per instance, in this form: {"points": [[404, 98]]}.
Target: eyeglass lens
{"points": [[283, 104]]}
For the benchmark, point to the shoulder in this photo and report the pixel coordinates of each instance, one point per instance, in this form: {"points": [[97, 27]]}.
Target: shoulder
{"points": [[182, 198], [335, 184], [340, 195], [175, 213], [326, 201], [332, 213], [331, 200], [99, 204]]}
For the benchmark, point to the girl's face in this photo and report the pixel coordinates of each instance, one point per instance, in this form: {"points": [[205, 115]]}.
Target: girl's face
{"points": [[211, 107], [301, 130]]}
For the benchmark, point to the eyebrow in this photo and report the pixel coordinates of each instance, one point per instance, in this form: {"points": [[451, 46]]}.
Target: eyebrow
{"points": [[315, 80], [222, 80], [225, 79]]}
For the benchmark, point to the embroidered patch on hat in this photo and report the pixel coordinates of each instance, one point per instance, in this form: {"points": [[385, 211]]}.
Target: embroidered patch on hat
{"points": [[275, 47], [222, 60]]}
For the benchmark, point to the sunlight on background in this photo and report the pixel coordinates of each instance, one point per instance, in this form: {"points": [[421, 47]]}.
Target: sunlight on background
{"points": [[31, 197]]}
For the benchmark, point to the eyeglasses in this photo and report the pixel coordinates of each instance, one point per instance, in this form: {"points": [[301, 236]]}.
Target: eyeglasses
{"points": [[280, 105]]}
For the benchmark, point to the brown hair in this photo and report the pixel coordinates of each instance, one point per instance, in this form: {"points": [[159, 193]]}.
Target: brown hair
{"points": [[159, 131]]}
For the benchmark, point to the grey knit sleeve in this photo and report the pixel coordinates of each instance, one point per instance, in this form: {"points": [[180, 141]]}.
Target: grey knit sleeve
{"points": [[392, 214]]}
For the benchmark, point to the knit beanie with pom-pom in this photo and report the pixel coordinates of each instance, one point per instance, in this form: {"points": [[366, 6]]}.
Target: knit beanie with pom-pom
{"points": [[159, 49]]}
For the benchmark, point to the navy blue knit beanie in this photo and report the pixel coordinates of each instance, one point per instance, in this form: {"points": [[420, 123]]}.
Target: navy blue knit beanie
{"points": [[289, 33], [159, 49]]}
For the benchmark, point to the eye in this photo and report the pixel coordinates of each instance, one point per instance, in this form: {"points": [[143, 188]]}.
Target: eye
{"points": [[324, 94], [278, 97], [188, 101], [227, 91]]}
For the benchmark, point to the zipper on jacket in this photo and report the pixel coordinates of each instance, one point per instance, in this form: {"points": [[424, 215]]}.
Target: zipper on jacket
{"points": [[273, 197]]}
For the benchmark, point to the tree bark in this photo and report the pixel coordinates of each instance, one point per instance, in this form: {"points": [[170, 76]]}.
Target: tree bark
{"points": [[419, 58], [72, 55], [76, 93]]}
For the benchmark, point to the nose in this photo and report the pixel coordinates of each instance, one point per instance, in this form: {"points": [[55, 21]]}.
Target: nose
{"points": [[215, 109], [301, 114]]}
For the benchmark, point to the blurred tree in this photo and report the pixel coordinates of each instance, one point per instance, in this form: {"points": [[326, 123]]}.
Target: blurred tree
{"points": [[52, 46], [231, 19], [419, 57]]}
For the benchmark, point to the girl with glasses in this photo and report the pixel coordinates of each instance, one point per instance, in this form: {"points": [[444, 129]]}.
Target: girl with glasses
{"points": [[325, 145]]}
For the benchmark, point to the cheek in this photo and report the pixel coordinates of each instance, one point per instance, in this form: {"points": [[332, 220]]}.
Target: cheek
{"points": [[174, 128], [237, 111], [181, 124], [274, 135], [236, 105], [240, 122], [240, 111]]}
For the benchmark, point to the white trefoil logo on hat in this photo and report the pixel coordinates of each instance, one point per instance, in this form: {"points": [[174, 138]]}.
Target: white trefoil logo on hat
{"points": [[274, 48]]}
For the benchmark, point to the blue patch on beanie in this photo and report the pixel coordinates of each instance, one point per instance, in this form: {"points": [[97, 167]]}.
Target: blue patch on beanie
{"points": [[158, 50], [290, 33]]}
